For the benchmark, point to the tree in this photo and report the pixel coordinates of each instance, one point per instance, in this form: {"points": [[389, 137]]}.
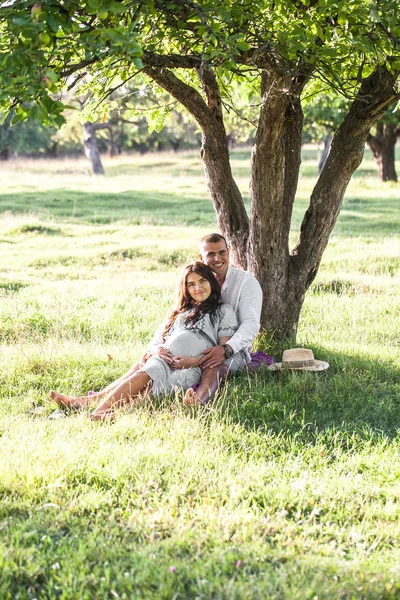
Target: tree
{"points": [[323, 114], [282, 51], [26, 139], [382, 141]]}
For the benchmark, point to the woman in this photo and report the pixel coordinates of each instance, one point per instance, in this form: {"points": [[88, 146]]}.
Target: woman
{"points": [[200, 320]]}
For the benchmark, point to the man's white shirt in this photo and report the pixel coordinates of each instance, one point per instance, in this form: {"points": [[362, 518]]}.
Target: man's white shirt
{"points": [[243, 292]]}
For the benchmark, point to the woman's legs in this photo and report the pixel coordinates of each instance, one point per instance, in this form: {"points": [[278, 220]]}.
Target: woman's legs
{"points": [[82, 401], [209, 384], [125, 392]]}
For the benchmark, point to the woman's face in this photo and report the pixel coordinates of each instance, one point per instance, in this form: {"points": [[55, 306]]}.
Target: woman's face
{"points": [[198, 287]]}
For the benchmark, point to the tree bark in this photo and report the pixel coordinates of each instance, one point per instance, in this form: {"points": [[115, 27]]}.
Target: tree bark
{"points": [[275, 166], [383, 146], [5, 153]]}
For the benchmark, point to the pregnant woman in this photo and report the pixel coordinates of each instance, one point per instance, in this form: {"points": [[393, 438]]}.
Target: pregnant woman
{"points": [[199, 321]]}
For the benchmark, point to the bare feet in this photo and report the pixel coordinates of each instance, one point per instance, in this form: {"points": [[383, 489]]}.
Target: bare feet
{"points": [[70, 402], [106, 416], [191, 398]]}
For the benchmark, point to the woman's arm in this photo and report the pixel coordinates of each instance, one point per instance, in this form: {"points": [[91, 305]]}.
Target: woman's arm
{"points": [[187, 362]]}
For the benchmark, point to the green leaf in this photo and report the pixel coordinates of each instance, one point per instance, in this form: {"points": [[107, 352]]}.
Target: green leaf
{"points": [[3, 116], [243, 45], [51, 75], [59, 120], [117, 8], [53, 23], [137, 61], [20, 116], [93, 6]]}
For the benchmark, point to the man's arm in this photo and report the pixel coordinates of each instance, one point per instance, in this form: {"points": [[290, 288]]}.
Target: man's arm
{"points": [[248, 314]]}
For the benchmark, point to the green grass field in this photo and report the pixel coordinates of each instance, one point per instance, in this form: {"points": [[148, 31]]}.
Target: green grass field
{"points": [[286, 487]]}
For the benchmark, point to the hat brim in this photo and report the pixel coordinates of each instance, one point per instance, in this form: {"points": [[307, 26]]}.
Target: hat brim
{"points": [[320, 365]]}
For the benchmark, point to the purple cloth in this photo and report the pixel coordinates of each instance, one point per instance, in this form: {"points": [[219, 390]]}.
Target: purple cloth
{"points": [[260, 358]]}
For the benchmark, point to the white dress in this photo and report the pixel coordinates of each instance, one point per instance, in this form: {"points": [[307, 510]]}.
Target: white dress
{"points": [[189, 340]]}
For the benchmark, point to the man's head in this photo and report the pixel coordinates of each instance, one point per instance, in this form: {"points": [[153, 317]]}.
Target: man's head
{"points": [[214, 252]]}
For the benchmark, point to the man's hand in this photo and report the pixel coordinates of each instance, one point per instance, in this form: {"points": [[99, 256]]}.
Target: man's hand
{"points": [[213, 357]]}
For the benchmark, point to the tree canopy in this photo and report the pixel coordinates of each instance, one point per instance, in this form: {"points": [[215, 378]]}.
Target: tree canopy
{"points": [[57, 44], [279, 53]]}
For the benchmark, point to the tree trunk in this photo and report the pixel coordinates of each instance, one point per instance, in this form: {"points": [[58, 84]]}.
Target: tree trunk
{"points": [[284, 276], [383, 146], [347, 150], [228, 203], [275, 166], [91, 148], [52, 152], [5, 153], [112, 151]]}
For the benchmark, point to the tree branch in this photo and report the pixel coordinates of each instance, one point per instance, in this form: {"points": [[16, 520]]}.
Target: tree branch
{"points": [[171, 61], [184, 93], [81, 65], [228, 203], [377, 92]]}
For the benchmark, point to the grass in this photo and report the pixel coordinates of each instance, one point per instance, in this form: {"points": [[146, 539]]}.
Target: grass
{"points": [[287, 486]]}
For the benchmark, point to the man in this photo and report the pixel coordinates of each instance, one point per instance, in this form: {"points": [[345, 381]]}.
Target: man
{"points": [[242, 291]]}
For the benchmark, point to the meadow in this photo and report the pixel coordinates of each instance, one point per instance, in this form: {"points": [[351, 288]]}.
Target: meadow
{"points": [[287, 486]]}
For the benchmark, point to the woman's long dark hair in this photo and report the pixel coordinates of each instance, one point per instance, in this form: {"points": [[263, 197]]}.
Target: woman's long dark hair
{"points": [[186, 303]]}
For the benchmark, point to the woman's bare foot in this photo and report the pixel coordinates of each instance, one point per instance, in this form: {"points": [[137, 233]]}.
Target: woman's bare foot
{"points": [[191, 398], [106, 416], [71, 401]]}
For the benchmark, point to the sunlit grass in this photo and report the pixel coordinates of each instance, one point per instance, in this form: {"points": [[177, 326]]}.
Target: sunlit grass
{"points": [[287, 486]]}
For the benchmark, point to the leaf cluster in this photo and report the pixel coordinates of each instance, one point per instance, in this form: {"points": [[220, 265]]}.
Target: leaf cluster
{"points": [[59, 44]]}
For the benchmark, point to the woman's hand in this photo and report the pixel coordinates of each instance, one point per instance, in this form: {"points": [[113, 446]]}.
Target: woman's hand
{"points": [[144, 359], [165, 354], [185, 362]]}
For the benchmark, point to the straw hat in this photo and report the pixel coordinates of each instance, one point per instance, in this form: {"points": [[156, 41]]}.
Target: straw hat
{"points": [[299, 359]]}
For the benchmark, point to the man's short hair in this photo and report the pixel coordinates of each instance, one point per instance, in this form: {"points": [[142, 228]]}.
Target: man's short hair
{"points": [[213, 238]]}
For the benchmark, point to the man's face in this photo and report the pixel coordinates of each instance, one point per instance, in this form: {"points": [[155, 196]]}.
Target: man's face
{"points": [[216, 256]]}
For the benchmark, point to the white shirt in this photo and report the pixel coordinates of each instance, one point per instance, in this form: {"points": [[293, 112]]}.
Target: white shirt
{"points": [[243, 292]]}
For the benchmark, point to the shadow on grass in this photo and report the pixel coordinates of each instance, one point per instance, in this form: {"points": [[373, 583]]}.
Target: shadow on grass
{"points": [[100, 208], [374, 216], [356, 398]]}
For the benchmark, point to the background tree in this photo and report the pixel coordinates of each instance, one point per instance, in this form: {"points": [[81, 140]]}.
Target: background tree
{"points": [[382, 141], [194, 50], [27, 139], [324, 114]]}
